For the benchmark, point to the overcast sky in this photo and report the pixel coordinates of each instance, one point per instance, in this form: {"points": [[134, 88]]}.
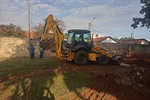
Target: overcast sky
{"points": [[111, 17]]}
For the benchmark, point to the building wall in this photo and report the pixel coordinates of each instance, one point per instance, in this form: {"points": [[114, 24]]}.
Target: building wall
{"points": [[19, 47], [109, 40], [97, 35], [144, 42]]}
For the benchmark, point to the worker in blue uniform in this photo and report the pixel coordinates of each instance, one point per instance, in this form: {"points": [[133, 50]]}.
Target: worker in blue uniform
{"points": [[31, 50]]}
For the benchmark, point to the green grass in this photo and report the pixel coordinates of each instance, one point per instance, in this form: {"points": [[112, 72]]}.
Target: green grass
{"points": [[20, 66], [55, 85]]}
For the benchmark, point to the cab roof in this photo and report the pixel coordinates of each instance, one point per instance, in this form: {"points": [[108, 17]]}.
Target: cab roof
{"points": [[78, 31]]}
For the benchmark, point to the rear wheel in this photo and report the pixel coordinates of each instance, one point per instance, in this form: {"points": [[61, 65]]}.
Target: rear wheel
{"points": [[103, 59], [81, 58]]}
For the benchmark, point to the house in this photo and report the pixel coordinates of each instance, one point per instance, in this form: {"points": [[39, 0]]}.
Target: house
{"points": [[106, 39], [31, 35], [135, 41], [97, 35]]}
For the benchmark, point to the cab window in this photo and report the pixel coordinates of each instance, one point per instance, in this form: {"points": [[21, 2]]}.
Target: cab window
{"points": [[69, 40], [86, 37], [78, 37]]}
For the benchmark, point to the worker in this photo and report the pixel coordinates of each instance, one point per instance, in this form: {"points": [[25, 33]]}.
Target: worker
{"points": [[31, 50], [41, 52]]}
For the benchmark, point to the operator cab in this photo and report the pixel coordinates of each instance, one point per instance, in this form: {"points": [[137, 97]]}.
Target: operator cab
{"points": [[79, 39]]}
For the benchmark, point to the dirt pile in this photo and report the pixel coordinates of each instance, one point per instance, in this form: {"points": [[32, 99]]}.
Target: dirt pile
{"points": [[135, 76], [128, 82]]}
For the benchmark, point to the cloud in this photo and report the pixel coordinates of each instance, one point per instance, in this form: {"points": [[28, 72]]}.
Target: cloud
{"points": [[40, 6], [35, 1], [108, 19], [13, 13], [73, 22], [19, 2], [104, 14], [102, 10], [16, 12], [71, 1]]}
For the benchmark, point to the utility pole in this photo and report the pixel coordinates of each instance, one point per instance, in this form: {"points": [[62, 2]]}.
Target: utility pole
{"points": [[149, 33], [29, 25], [90, 23], [132, 34], [29, 20]]}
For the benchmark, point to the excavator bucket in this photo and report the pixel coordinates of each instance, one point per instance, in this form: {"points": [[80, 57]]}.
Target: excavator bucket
{"points": [[116, 59], [47, 45]]}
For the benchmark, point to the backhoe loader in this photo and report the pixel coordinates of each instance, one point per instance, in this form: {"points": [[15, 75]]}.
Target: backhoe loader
{"points": [[78, 48]]}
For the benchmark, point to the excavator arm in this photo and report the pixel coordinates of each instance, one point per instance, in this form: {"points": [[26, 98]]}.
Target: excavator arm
{"points": [[57, 38]]}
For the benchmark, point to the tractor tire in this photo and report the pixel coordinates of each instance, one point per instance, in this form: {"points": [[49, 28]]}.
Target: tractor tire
{"points": [[81, 58], [103, 59]]}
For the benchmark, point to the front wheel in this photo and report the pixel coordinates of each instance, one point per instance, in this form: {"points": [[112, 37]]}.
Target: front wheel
{"points": [[81, 58], [103, 59]]}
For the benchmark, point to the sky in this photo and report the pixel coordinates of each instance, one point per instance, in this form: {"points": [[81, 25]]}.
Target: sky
{"points": [[107, 17]]}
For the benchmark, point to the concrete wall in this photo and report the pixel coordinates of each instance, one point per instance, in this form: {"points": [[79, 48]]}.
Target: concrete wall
{"points": [[19, 47], [117, 48]]}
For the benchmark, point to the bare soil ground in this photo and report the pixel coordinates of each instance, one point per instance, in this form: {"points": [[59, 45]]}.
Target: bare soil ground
{"points": [[114, 82]]}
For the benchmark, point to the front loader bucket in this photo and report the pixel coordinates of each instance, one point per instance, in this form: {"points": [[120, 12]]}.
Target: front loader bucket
{"points": [[116, 59]]}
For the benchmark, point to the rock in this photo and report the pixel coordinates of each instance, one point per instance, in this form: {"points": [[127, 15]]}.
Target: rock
{"points": [[141, 85], [125, 65], [139, 69], [142, 70], [136, 79], [117, 80], [141, 88], [138, 73], [119, 73], [126, 80], [141, 77], [133, 79]]}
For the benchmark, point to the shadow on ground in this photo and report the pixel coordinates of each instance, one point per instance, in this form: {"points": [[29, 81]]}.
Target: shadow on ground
{"points": [[40, 79], [25, 81]]}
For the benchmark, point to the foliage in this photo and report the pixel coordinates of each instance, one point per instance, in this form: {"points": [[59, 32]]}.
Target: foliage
{"points": [[126, 38], [60, 24], [145, 21], [39, 28], [11, 30]]}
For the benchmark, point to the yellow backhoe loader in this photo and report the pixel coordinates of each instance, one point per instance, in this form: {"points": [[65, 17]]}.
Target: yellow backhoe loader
{"points": [[79, 46]]}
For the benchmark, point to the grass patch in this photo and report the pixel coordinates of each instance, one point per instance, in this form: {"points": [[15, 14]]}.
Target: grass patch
{"points": [[41, 86], [20, 66]]}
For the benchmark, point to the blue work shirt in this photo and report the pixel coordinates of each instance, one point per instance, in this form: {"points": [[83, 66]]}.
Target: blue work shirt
{"points": [[31, 49]]}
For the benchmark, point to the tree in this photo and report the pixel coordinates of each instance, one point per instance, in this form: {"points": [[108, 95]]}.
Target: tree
{"points": [[11, 30], [145, 21], [39, 28], [126, 38], [60, 24]]}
